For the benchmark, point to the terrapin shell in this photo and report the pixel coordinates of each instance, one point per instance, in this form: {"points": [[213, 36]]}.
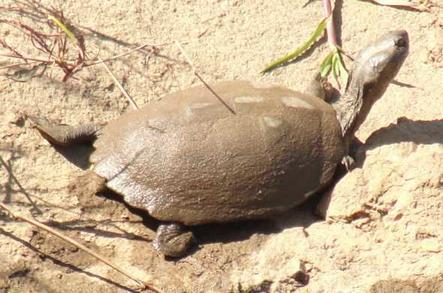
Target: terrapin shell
{"points": [[188, 159]]}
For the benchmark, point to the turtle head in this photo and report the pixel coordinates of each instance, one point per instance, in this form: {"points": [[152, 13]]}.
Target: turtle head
{"points": [[373, 69], [377, 64]]}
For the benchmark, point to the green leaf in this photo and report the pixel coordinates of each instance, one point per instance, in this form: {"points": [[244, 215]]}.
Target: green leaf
{"points": [[335, 66], [341, 67], [326, 65], [335, 70], [325, 70], [333, 62], [63, 27], [313, 38]]}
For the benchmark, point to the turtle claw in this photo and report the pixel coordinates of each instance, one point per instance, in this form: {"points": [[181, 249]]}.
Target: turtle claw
{"points": [[349, 163]]}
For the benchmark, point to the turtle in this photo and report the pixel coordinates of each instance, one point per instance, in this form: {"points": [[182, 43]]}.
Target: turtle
{"points": [[189, 159]]}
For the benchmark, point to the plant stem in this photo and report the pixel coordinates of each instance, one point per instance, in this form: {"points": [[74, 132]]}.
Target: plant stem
{"points": [[330, 28]]}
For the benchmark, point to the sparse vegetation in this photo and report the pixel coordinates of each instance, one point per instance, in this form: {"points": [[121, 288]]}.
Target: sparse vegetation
{"points": [[333, 62], [55, 42]]}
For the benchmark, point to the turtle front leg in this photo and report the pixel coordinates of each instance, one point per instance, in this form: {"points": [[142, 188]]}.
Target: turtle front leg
{"points": [[349, 159], [173, 240], [65, 135]]}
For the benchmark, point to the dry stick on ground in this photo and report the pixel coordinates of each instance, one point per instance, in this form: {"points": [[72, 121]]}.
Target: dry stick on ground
{"points": [[122, 89], [76, 244], [60, 41], [66, 238], [201, 79], [119, 85], [56, 46], [139, 48], [11, 175], [18, 64]]}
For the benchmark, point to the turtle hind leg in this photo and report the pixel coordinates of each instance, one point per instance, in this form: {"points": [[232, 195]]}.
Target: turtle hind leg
{"points": [[173, 240], [64, 135]]}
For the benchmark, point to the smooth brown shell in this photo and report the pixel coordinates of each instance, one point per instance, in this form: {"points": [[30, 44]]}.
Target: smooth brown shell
{"points": [[188, 159]]}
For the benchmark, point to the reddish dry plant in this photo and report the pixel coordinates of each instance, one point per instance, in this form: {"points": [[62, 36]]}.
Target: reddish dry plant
{"points": [[63, 46]]}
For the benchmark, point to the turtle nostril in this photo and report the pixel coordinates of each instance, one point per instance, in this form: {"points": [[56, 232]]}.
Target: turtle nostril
{"points": [[401, 43], [402, 40]]}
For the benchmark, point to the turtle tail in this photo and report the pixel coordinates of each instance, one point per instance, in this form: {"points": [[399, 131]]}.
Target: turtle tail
{"points": [[65, 135]]}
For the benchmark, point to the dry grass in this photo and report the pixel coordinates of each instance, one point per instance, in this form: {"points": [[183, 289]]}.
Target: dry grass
{"points": [[54, 40]]}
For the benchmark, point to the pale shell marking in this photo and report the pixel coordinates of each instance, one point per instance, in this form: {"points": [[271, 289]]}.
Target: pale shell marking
{"points": [[272, 121], [295, 102], [249, 99], [196, 106], [262, 85]]}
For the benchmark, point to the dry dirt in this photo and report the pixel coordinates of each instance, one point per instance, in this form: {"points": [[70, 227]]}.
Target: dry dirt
{"points": [[383, 224]]}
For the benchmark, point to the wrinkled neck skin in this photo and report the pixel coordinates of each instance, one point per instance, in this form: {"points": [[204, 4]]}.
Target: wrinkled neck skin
{"points": [[354, 105]]}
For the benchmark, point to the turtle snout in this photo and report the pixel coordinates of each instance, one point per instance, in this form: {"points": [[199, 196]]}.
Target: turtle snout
{"points": [[401, 41]]}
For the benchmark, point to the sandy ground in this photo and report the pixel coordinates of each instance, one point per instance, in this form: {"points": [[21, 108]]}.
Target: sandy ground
{"points": [[383, 227]]}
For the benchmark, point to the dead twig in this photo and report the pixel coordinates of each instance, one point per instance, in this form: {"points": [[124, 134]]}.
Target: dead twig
{"points": [[139, 48], [51, 34], [55, 39], [17, 64], [22, 189], [201, 79], [122, 89], [13, 215]]}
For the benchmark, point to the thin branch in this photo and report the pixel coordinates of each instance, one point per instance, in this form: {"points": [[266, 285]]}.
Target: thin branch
{"points": [[201, 79], [127, 53], [22, 189], [27, 58], [122, 89], [18, 64], [330, 28], [53, 44], [76, 244]]}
